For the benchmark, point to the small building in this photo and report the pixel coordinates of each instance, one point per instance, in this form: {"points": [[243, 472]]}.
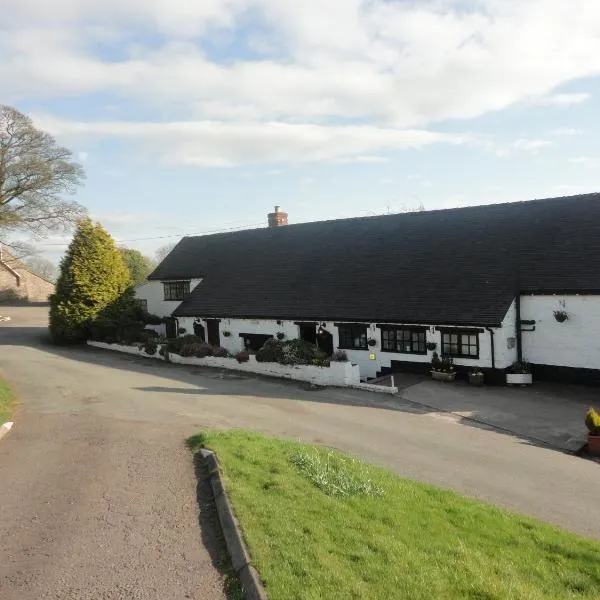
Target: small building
{"points": [[18, 284], [485, 285]]}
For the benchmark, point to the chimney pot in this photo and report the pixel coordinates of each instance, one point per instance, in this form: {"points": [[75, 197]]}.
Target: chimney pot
{"points": [[278, 218]]}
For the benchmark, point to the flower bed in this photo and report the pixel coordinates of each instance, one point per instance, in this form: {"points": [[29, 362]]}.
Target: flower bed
{"points": [[338, 373]]}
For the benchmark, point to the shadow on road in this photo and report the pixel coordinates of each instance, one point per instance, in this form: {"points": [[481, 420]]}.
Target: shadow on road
{"points": [[211, 382], [210, 527]]}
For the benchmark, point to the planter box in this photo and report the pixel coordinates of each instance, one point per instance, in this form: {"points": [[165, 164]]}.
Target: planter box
{"points": [[439, 376], [476, 379], [594, 444], [519, 379]]}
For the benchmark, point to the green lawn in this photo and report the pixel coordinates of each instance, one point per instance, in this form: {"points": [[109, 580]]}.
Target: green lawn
{"points": [[7, 401], [322, 525]]}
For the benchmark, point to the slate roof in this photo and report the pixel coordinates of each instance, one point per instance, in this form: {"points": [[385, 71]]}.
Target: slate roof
{"points": [[455, 267]]}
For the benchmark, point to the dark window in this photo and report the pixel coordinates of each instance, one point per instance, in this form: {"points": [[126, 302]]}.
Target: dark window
{"points": [[460, 343], [254, 341], [176, 290], [404, 340], [143, 304], [353, 337]]}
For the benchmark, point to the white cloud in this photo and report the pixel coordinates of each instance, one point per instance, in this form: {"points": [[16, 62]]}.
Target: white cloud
{"points": [[401, 63], [566, 131], [216, 144], [82, 156], [591, 162], [561, 100], [528, 145]]}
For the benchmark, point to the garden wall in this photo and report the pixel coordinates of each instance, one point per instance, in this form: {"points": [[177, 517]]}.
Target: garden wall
{"points": [[338, 373]]}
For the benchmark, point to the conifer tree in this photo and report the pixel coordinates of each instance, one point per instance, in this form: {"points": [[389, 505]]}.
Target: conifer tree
{"points": [[93, 275]]}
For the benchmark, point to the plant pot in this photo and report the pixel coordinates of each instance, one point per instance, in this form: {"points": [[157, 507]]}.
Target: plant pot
{"points": [[521, 379], [441, 376], [476, 379], [594, 444]]}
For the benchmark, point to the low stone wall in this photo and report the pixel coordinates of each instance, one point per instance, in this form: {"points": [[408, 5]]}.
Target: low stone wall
{"points": [[125, 349], [338, 373]]}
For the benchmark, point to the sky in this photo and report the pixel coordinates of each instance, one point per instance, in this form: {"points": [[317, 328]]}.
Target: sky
{"points": [[192, 117]]}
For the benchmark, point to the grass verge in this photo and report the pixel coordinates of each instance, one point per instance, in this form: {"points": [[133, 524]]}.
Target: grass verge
{"points": [[320, 524], [7, 401]]}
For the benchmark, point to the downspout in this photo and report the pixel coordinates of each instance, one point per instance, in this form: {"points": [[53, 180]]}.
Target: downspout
{"points": [[492, 346], [519, 335]]}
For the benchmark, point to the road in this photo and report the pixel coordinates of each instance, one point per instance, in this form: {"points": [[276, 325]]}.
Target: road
{"points": [[96, 488]]}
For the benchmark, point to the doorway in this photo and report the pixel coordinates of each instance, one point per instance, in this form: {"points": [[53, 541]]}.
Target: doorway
{"points": [[199, 330], [212, 332], [308, 332], [171, 327], [325, 341]]}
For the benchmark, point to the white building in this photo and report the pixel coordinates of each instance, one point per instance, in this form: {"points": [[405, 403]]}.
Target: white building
{"points": [[487, 285]]}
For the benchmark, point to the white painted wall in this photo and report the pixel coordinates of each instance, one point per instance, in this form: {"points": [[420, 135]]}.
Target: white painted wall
{"points": [[574, 343], [234, 342], [153, 293], [505, 356]]}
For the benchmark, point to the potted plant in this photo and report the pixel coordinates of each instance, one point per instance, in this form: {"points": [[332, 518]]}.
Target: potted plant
{"points": [[592, 421], [442, 369], [520, 374], [226, 333], [280, 335], [476, 377], [372, 342], [431, 345]]}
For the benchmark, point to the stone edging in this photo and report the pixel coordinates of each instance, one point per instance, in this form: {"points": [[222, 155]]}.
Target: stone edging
{"points": [[5, 428], [240, 558]]}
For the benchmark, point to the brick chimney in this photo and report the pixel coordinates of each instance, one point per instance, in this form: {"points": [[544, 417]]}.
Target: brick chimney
{"points": [[278, 218]]}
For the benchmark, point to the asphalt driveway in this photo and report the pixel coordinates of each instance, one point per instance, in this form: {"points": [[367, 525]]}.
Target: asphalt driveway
{"points": [[96, 455]]}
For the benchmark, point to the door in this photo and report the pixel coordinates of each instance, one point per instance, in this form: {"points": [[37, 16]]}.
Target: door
{"points": [[308, 332], [199, 330], [171, 327], [212, 332]]}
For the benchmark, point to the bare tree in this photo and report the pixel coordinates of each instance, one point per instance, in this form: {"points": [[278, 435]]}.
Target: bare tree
{"points": [[42, 267], [162, 252], [34, 174]]}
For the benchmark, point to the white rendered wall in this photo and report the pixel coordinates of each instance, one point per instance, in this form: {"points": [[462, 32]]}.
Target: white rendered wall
{"points": [[504, 356], [153, 293], [574, 343]]}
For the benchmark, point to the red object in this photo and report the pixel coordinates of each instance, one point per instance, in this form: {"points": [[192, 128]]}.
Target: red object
{"points": [[594, 444]]}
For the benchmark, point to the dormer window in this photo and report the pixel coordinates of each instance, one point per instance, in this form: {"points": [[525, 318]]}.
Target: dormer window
{"points": [[176, 290]]}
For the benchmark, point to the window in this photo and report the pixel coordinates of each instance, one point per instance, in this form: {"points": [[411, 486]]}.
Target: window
{"points": [[143, 304], [460, 343], [176, 290], [254, 341], [353, 337], [404, 340]]}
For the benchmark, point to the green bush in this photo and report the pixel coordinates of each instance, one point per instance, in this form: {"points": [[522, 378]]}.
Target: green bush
{"points": [[92, 277], [292, 352], [150, 347], [175, 345], [271, 351]]}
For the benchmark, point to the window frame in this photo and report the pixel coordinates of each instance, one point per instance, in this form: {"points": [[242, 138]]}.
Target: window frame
{"points": [[181, 285], [352, 327], [143, 303], [459, 333], [386, 329]]}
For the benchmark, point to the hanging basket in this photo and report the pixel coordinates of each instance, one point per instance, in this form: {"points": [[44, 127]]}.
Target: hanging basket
{"points": [[561, 316]]}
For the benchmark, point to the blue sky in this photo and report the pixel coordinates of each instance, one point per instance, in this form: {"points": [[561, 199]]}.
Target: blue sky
{"points": [[192, 117]]}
